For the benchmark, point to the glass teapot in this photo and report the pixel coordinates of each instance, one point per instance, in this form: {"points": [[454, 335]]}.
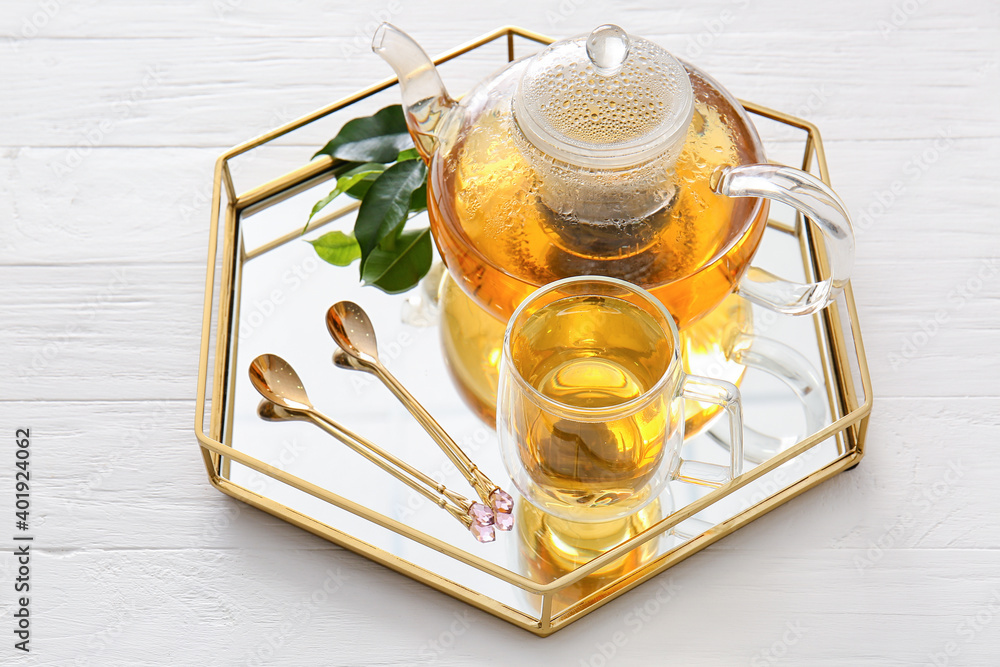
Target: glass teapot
{"points": [[605, 155]]}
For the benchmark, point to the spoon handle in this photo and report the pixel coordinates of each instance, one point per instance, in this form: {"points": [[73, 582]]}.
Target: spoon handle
{"points": [[429, 424], [404, 472], [354, 440]]}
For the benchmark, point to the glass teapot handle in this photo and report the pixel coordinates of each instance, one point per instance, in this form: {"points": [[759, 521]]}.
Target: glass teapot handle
{"points": [[820, 205]]}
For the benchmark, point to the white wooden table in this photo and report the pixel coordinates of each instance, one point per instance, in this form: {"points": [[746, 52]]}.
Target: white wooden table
{"points": [[113, 113]]}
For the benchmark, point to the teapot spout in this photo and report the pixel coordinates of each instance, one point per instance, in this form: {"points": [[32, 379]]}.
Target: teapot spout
{"points": [[426, 103]]}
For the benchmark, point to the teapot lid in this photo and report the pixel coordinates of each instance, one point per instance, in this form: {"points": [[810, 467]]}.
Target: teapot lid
{"points": [[607, 100]]}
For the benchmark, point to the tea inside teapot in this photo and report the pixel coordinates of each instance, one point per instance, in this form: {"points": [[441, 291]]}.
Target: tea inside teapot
{"points": [[503, 205], [604, 155]]}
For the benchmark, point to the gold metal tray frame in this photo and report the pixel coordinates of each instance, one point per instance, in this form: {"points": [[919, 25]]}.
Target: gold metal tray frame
{"points": [[850, 428]]}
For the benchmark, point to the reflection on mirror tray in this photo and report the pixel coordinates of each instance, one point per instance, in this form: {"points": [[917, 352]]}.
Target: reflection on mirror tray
{"points": [[549, 547]]}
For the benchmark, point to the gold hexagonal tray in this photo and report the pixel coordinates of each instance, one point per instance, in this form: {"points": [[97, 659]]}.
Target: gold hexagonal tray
{"points": [[266, 292]]}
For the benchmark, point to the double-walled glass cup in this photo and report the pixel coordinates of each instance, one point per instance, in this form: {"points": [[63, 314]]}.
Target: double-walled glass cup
{"points": [[590, 405]]}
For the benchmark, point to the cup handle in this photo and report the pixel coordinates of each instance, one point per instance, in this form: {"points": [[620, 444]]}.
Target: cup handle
{"points": [[815, 200], [725, 394], [793, 369]]}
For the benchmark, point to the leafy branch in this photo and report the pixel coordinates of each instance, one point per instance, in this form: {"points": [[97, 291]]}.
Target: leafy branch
{"points": [[382, 169]]}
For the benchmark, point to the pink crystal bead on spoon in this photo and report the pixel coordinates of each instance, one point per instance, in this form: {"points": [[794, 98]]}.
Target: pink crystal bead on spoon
{"points": [[503, 521], [482, 533], [502, 501], [481, 514]]}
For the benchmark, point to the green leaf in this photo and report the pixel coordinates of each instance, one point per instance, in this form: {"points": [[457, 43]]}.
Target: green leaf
{"points": [[408, 154], [337, 248], [384, 208], [397, 270], [347, 181], [418, 200], [360, 189], [378, 138]]}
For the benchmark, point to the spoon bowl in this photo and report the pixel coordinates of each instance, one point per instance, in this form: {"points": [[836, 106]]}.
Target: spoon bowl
{"points": [[278, 382], [352, 330]]}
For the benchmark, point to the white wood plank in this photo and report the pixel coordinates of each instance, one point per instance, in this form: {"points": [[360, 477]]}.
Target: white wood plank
{"points": [[118, 19], [214, 607], [202, 91]]}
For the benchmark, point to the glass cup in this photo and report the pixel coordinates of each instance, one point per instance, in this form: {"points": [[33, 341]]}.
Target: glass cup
{"points": [[590, 404]]}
